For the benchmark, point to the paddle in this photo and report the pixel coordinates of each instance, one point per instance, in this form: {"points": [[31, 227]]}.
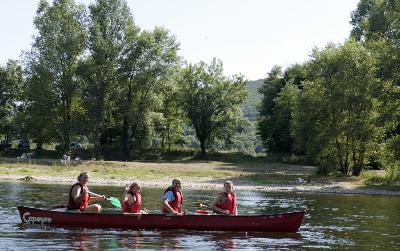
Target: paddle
{"points": [[198, 211], [209, 208], [114, 201]]}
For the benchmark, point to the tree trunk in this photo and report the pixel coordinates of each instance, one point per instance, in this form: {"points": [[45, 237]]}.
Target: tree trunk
{"points": [[203, 147], [97, 149], [126, 152], [39, 145], [8, 134], [169, 140], [359, 162], [66, 135], [100, 116], [125, 140], [356, 170], [346, 165], [340, 156], [162, 142]]}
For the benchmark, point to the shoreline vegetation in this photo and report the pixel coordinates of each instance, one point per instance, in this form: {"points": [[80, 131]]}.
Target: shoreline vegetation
{"points": [[251, 175]]}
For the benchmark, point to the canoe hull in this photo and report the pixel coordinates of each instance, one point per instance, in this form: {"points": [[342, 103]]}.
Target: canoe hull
{"points": [[287, 222]]}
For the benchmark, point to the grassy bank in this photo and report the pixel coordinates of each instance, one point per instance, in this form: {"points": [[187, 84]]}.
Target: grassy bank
{"points": [[119, 170], [381, 179], [250, 172]]}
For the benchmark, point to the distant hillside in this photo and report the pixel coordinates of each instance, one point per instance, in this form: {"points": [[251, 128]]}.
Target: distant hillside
{"points": [[250, 105]]}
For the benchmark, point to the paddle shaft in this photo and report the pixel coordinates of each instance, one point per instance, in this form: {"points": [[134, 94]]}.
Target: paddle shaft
{"points": [[212, 209], [95, 194]]}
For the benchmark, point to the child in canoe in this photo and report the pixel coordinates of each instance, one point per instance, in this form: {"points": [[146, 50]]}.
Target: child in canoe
{"points": [[131, 199], [225, 202]]}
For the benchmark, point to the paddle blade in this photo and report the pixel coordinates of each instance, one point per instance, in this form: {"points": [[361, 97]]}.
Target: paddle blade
{"points": [[115, 202], [203, 212]]}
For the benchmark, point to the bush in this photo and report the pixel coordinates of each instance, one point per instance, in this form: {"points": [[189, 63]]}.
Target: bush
{"points": [[82, 153], [381, 177], [47, 154], [227, 156], [178, 154]]}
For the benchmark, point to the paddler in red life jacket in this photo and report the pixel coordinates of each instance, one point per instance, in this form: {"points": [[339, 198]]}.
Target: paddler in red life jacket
{"points": [[225, 202], [173, 198], [131, 199], [79, 197]]}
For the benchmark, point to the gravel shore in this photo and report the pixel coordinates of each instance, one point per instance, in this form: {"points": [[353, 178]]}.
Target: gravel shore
{"points": [[207, 183]]}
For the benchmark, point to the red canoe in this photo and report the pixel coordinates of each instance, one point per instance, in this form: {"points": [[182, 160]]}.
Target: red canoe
{"points": [[286, 222]]}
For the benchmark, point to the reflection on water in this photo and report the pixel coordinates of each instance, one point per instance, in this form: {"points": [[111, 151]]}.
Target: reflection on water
{"points": [[332, 221]]}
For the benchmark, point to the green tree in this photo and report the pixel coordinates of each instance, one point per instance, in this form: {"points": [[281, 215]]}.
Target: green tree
{"points": [[296, 74], [110, 23], [279, 94], [281, 120], [369, 20], [146, 64], [11, 82], [173, 116], [58, 45], [336, 122], [306, 126], [39, 107], [376, 24], [270, 90], [211, 100]]}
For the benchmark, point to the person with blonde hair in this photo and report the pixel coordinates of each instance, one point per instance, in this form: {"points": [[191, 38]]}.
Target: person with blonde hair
{"points": [[79, 196], [131, 199]]}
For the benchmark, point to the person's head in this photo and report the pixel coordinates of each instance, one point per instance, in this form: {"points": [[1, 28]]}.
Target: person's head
{"points": [[135, 187], [228, 186], [83, 178], [176, 183]]}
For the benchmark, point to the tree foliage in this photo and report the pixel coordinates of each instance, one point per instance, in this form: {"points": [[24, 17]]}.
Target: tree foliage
{"points": [[11, 82], [279, 94], [146, 65], [53, 60], [376, 24], [344, 124], [211, 100], [110, 25]]}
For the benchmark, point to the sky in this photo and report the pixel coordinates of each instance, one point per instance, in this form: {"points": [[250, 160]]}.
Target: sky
{"points": [[249, 36]]}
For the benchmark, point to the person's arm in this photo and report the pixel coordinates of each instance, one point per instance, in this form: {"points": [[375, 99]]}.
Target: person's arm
{"points": [[93, 197], [77, 195], [218, 199], [123, 197], [97, 198], [168, 207], [235, 209], [169, 196]]}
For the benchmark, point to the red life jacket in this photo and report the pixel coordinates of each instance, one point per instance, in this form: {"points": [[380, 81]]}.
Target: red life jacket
{"points": [[135, 207], [176, 204], [229, 203], [80, 205]]}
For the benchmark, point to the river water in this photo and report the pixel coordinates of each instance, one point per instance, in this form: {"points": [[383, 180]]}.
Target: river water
{"points": [[336, 222]]}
